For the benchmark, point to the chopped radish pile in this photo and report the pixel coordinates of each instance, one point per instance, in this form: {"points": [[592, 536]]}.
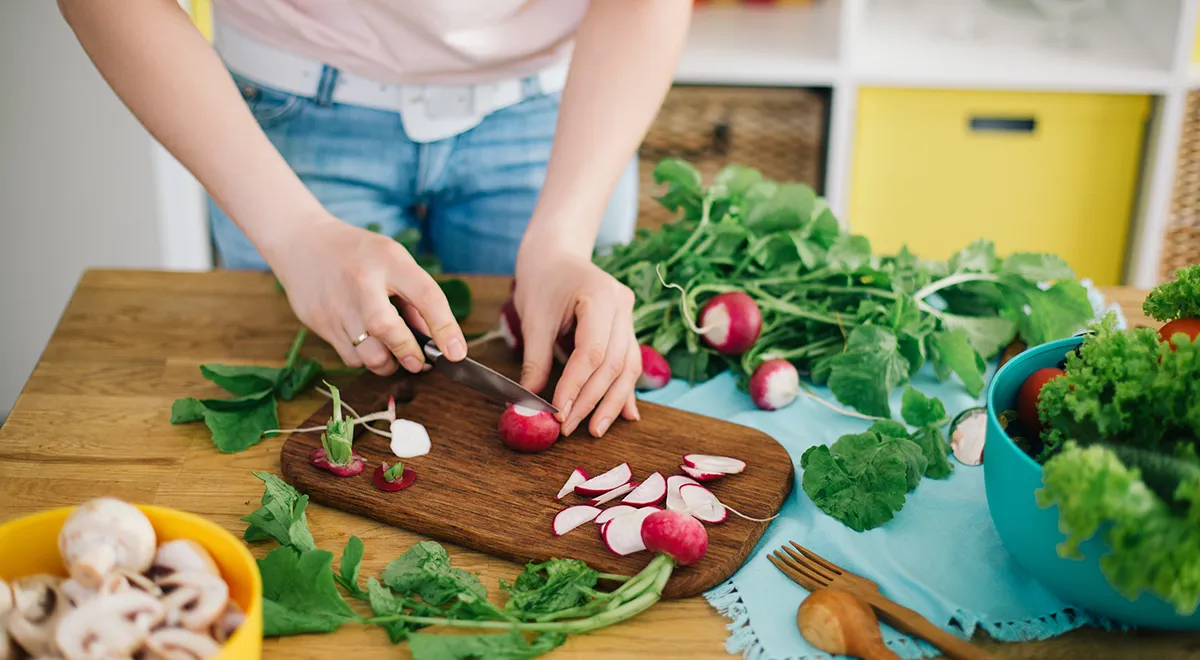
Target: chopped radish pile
{"points": [[701, 475], [775, 384], [652, 490], [656, 373], [510, 327], [710, 463], [601, 484], [572, 517], [676, 534], [409, 439], [613, 512], [701, 503], [674, 483], [577, 477], [528, 430], [407, 477], [615, 493], [731, 322], [319, 459], [623, 534]]}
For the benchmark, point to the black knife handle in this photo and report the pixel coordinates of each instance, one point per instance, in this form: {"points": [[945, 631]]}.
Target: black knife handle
{"points": [[427, 344]]}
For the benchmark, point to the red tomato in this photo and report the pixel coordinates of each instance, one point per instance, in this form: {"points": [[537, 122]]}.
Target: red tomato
{"points": [[1189, 327], [1027, 396]]}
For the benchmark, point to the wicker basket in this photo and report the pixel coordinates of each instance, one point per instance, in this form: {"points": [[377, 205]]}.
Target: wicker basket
{"points": [[1181, 242], [782, 132]]}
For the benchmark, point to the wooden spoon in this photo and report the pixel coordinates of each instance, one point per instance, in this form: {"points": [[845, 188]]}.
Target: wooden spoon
{"points": [[837, 622]]}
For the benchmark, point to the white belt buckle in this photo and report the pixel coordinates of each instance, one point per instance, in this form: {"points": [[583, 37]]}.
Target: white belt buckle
{"points": [[449, 101]]}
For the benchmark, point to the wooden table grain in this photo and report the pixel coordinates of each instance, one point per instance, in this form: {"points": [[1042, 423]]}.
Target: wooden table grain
{"points": [[93, 420]]}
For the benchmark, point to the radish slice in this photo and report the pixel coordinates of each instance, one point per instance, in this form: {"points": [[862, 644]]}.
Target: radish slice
{"points": [[409, 439], [701, 475], [674, 482], [603, 483], [572, 517], [577, 477], [614, 493], [612, 512], [653, 489], [702, 504], [710, 463], [623, 534]]}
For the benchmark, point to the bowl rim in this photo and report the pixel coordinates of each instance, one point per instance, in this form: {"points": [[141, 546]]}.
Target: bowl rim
{"points": [[1012, 365]]}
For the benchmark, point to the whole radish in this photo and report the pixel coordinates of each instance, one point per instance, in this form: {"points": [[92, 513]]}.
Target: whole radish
{"points": [[656, 373], [676, 534], [528, 430], [774, 384], [731, 322]]}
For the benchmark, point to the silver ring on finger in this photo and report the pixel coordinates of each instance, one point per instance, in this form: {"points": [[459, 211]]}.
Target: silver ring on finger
{"points": [[360, 339]]}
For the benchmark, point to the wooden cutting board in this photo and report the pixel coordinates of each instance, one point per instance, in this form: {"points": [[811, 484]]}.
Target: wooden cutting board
{"points": [[473, 491]]}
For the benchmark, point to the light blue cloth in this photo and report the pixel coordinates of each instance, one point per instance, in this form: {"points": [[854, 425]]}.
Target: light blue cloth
{"points": [[940, 555]]}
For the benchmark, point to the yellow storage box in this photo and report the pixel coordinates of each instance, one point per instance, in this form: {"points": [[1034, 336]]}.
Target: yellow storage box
{"points": [[1034, 172]]}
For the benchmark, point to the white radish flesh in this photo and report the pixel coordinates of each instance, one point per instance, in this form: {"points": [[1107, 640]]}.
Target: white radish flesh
{"points": [[603, 483], [701, 475], [731, 322], [623, 534], [674, 482], [614, 493], [577, 477], [612, 512], [710, 463], [774, 384], [652, 490], [702, 504], [572, 517], [409, 439]]}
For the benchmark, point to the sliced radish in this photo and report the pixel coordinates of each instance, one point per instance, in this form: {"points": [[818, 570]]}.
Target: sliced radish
{"points": [[407, 477], [409, 439], [623, 534], [656, 372], [674, 482], [612, 512], [615, 493], [701, 475], [319, 458], [528, 430], [701, 503], [577, 477], [652, 490], [603, 483], [731, 322], [572, 517], [710, 463]]}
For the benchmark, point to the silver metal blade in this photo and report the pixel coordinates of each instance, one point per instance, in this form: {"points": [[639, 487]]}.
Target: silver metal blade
{"points": [[490, 382]]}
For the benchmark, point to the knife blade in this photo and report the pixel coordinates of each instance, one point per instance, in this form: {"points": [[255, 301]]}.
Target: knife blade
{"points": [[482, 378]]}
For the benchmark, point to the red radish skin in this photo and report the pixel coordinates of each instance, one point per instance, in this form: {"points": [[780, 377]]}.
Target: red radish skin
{"points": [[577, 477], [676, 534], [615, 493], [710, 463], [319, 459], [656, 373], [407, 477], [623, 534], [652, 491], [510, 327], [614, 511], [701, 503], [674, 483], [731, 322], [601, 484], [572, 517], [526, 430], [701, 475], [775, 384]]}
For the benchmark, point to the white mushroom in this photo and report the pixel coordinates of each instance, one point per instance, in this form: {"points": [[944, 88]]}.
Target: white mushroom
{"points": [[180, 644], [195, 600], [112, 626], [37, 608], [105, 534], [6, 598], [224, 627], [182, 555]]}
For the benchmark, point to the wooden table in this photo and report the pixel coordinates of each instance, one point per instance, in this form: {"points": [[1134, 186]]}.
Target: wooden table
{"points": [[93, 420]]}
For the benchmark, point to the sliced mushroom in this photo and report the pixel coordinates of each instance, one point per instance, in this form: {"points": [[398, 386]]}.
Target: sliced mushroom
{"points": [[182, 555], [110, 626], [196, 599], [224, 627], [180, 644], [37, 608], [105, 534]]}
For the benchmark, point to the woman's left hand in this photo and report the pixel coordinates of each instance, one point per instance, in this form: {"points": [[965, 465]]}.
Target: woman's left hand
{"points": [[556, 293]]}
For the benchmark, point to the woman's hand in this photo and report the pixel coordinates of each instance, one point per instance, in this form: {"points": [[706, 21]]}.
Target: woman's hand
{"points": [[565, 292], [339, 279]]}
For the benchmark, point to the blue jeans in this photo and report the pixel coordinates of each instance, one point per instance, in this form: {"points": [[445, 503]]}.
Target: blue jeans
{"points": [[478, 189]]}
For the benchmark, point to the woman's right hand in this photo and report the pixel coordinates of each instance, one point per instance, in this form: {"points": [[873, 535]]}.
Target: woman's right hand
{"points": [[339, 280]]}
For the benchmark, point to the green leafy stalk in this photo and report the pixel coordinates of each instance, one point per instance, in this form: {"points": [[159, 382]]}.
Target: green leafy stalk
{"points": [[394, 472], [338, 438]]}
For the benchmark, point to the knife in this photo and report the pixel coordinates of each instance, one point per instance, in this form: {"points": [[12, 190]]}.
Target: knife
{"points": [[481, 378]]}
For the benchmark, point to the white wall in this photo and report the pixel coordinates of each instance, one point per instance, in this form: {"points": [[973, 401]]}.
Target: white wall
{"points": [[77, 185]]}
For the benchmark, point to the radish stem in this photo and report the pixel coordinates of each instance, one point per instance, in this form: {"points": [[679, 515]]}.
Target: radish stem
{"points": [[683, 303]]}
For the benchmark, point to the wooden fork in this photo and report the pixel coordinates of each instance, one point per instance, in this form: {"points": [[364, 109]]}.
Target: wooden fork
{"points": [[807, 569]]}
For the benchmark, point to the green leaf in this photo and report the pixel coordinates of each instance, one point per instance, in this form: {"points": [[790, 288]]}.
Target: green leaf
{"points": [[492, 646], [978, 257], [683, 185], [1037, 267], [410, 238], [295, 380], [933, 445], [424, 569], [811, 254], [870, 368], [349, 566], [238, 430], [951, 351], [551, 586], [889, 427], [384, 603], [862, 493], [241, 380], [865, 447], [1058, 312], [733, 181], [458, 294], [1177, 299], [849, 253], [185, 411], [988, 335], [281, 516], [920, 410], [299, 595], [825, 229], [790, 207]]}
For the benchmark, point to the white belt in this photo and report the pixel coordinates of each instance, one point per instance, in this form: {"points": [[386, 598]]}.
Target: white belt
{"points": [[428, 112]]}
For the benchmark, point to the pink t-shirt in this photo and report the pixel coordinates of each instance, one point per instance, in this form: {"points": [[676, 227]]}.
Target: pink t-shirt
{"points": [[414, 41]]}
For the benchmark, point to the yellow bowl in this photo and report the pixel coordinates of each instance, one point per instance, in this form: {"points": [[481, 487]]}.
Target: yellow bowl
{"points": [[30, 545]]}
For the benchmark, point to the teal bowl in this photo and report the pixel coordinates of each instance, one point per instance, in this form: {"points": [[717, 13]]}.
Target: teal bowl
{"points": [[1030, 533]]}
